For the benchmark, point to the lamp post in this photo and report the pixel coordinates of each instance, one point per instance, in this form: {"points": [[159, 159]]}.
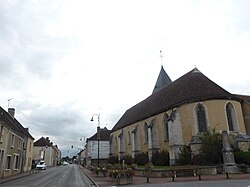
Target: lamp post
{"points": [[97, 135]]}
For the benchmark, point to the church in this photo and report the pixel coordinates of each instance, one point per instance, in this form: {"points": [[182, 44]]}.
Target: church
{"points": [[176, 114]]}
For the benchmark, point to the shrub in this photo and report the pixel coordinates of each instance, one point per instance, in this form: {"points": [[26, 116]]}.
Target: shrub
{"points": [[127, 159], [196, 160], [113, 159], [242, 157], [184, 155], [211, 146], [141, 158], [160, 158]]}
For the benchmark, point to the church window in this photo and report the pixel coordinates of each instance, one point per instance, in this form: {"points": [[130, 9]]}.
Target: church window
{"points": [[201, 118], [165, 127], [145, 133], [129, 138], [231, 117], [116, 142]]}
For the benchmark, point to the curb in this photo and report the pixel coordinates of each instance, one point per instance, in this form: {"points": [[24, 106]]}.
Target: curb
{"points": [[89, 177]]}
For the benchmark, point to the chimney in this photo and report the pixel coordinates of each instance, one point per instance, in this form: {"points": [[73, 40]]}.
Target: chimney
{"points": [[11, 112]]}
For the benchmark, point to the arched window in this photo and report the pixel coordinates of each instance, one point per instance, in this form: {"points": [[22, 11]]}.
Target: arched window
{"points": [[165, 127], [231, 117], [116, 142], [129, 138], [201, 118], [145, 133]]}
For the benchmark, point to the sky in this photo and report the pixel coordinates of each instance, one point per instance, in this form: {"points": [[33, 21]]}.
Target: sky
{"points": [[63, 61]]}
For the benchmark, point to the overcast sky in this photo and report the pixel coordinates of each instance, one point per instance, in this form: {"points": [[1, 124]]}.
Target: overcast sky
{"points": [[64, 60]]}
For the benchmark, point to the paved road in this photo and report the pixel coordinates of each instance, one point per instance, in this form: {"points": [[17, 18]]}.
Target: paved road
{"points": [[63, 176], [224, 183]]}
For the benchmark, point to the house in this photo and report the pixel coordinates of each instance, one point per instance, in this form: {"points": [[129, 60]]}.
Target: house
{"points": [[177, 113], [15, 145], [98, 148], [81, 157], [45, 150]]}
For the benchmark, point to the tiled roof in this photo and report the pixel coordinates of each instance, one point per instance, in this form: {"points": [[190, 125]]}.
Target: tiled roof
{"points": [[13, 124], [191, 87], [43, 142], [244, 97], [104, 135]]}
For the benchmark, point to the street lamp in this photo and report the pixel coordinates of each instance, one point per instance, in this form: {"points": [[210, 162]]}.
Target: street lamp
{"points": [[98, 135]]}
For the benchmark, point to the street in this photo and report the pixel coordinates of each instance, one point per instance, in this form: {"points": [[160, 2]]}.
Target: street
{"points": [[62, 176]]}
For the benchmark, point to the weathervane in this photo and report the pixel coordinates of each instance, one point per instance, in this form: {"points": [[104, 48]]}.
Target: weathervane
{"points": [[161, 56]]}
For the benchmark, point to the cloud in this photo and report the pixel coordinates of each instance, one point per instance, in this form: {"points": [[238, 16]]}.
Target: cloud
{"points": [[28, 47], [64, 124], [63, 61]]}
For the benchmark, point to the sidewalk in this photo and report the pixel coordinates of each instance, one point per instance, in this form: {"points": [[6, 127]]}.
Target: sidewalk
{"points": [[107, 181], [24, 174]]}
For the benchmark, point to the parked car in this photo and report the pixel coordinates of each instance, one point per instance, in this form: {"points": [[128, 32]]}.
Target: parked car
{"points": [[65, 163], [41, 165]]}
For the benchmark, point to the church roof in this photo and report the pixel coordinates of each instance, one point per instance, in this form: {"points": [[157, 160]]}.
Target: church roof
{"points": [[191, 87], [162, 80], [245, 98]]}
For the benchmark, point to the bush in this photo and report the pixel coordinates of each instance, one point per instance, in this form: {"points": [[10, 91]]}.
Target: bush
{"points": [[141, 158], [160, 158], [184, 155], [127, 159], [196, 160], [211, 146], [113, 159], [242, 157]]}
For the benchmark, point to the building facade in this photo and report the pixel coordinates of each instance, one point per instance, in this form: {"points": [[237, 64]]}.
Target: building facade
{"points": [[14, 138], [177, 113], [45, 150], [98, 148]]}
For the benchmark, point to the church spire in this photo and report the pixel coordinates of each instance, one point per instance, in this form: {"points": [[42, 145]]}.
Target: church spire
{"points": [[163, 78]]}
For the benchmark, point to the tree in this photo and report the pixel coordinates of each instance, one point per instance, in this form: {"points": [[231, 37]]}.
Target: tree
{"points": [[211, 148]]}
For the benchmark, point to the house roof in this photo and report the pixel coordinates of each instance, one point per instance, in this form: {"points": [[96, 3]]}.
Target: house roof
{"points": [[13, 124], [104, 135], [43, 142], [191, 87], [162, 80]]}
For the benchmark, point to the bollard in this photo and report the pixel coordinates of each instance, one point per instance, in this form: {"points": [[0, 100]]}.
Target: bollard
{"points": [[227, 175], [199, 177], [147, 179], [173, 176]]}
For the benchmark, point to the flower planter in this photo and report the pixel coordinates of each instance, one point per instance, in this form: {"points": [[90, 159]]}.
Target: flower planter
{"points": [[124, 178]]}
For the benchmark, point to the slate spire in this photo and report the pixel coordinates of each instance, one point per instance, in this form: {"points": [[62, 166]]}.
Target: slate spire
{"points": [[162, 80]]}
